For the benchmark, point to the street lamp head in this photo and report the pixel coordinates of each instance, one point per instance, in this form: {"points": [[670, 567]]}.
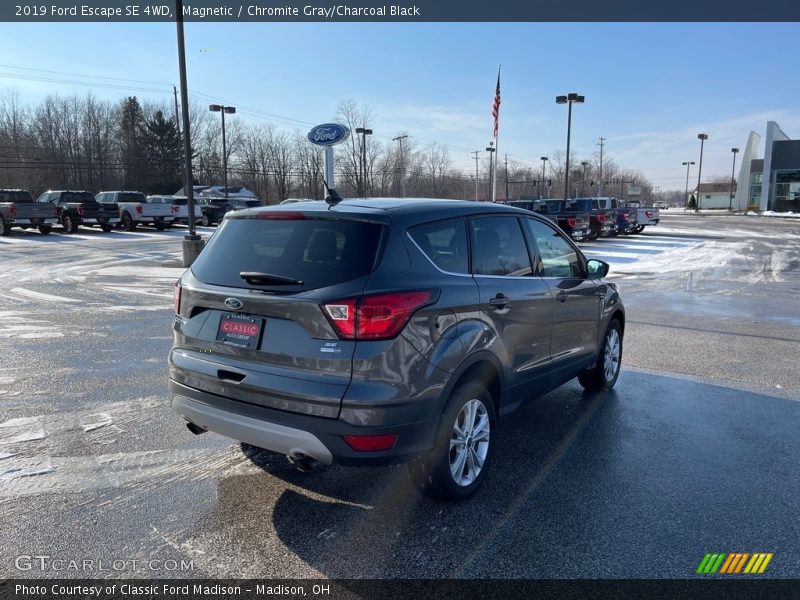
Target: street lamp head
{"points": [[702, 136], [734, 150], [214, 107], [585, 163], [561, 99], [360, 130], [576, 98], [229, 109], [544, 158], [363, 131]]}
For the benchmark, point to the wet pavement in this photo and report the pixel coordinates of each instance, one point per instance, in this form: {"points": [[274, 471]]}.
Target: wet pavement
{"points": [[696, 450]]}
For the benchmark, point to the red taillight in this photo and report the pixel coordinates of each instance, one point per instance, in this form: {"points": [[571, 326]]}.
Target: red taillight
{"points": [[176, 302], [625, 216], [139, 209], [571, 222], [281, 216], [81, 210], [601, 218], [649, 214], [370, 443], [12, 211], [175, 209], [379, 317]]}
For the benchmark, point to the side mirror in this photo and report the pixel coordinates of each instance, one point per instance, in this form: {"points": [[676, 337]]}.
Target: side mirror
{"points": [[597, 268]]}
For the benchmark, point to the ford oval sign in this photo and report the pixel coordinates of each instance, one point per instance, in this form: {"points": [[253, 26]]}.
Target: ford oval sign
{"points": [[328, 134], [233, 303]]}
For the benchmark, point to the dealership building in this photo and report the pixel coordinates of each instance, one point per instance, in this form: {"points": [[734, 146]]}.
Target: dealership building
{"points": [[772, 181]]}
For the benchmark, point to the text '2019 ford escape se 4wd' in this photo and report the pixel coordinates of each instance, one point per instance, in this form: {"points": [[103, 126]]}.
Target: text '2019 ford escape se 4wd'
{"points": [[377, 331]]}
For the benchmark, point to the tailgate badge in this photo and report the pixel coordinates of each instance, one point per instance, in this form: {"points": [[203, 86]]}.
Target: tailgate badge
{"points": [[233, 303]]}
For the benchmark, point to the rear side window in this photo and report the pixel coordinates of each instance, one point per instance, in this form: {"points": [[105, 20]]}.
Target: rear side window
{"points": [[498, 247], [445, 244], [318, 252]]}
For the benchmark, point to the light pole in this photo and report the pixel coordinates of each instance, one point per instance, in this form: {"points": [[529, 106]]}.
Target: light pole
{"points": [[399, 139], [686, 194], [541, 187], [733, 170], [491, 151], [702, 137], [223, 110], [364, 133], [569, 99], [584, 164]]}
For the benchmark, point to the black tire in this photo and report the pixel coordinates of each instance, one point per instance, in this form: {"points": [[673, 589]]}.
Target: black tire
{"points": [[206, 221], [593, 236], [432, 474], [69, 224], [5, 228], [640, 229], [160, 226], [601, 378], [106, 227], [45, 229], [127, 222]]}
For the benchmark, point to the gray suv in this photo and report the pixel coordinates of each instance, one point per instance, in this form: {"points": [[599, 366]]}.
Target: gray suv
{"points": [[377, 331]]}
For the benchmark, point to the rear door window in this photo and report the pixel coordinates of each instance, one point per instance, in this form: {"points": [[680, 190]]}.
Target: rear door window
{"points": [[318, 252], [445, 244], [498, 247]]}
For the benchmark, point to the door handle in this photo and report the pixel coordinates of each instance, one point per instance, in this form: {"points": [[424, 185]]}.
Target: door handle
{"points": [[499, 301], [561, 296]]}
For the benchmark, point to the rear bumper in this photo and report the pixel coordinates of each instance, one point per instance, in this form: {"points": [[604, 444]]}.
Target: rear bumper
{"points": [[293, 433], [146, 219], [100, 221], [34, 221]]}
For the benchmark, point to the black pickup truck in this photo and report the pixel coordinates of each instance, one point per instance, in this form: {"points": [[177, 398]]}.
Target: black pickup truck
{"points": [[76, 208], [574, 224], [602, 221]]}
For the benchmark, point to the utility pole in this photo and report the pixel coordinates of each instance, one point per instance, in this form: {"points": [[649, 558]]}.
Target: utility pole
{"points": [[399, 139], [177, 118], [476, 153], [601, 144]]}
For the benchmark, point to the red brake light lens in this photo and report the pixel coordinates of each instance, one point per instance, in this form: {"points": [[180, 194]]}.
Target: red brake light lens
{"points": [[370, 443], [601, 218], [81, 210], [176, 302], [12, 211], [571, 222], [139, 209], [281, 216], [378, 317]]}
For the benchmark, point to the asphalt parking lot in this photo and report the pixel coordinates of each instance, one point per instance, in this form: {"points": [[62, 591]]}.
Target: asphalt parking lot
{"points": [[696, 450]]}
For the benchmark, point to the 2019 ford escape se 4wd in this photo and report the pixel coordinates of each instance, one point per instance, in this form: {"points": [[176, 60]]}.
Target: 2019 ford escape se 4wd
{"points": [[378, 331]]}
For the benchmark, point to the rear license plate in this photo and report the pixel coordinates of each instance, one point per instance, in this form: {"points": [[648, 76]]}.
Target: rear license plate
{"points": [[238, 330]]}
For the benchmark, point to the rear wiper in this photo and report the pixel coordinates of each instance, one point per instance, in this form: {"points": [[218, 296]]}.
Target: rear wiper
{"points": [[268, 279]]}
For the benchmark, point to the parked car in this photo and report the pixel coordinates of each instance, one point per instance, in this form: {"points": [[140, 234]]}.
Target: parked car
{"points": [[661, 205], [17, 209], [602, 222], [135, 210], [180, 208], [76, 208], [575, 225], [388, 330], [625, 217], [212, 210], [240, 203]]}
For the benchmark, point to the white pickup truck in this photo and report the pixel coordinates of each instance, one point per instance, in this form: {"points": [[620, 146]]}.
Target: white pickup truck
{"points": [[180, 207], [646, 216], [135, 210]]}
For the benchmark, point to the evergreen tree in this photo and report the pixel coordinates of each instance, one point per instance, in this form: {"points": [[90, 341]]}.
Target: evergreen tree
{"points": [[132, 140], [163, 146]]}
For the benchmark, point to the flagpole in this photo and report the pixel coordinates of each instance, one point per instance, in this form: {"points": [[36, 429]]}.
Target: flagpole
{"points": [[496, 147]]}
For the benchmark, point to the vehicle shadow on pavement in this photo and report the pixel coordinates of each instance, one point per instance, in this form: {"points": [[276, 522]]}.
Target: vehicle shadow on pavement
{"points": [[371, 522]]}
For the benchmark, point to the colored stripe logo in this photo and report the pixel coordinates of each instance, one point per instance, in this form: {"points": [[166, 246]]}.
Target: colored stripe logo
{"points": [[733, 563]]}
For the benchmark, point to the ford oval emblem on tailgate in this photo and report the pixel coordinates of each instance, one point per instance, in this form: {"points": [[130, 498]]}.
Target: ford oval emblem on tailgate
{"points": [[233, 303]]}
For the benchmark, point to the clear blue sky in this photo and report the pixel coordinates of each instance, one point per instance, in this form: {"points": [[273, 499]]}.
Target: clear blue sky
{"points": [[650, 88]]}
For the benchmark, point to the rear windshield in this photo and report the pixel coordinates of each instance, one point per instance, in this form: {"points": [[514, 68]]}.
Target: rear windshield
{"points": [[318, 252], [77, 197], [577, 205], [20, 197], [131, 197], [160, 200]]}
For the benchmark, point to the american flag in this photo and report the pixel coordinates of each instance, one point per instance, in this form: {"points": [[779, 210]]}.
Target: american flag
{"points": [[496, 105]]}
